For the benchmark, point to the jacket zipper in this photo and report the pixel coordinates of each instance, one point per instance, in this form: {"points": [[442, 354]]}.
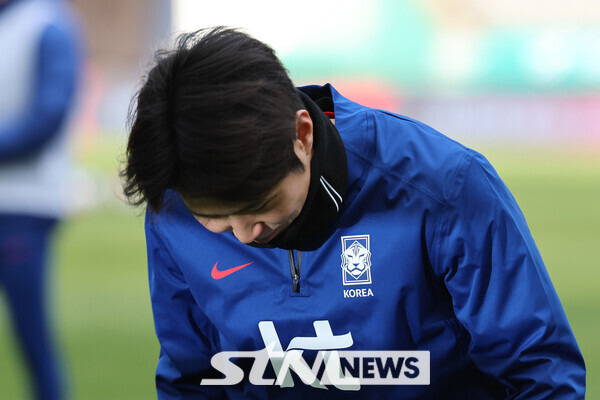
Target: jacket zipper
{"points": [[295, 270]]}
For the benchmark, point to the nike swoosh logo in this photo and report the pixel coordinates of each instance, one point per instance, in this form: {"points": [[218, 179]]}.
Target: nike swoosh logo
{"points": [[216, 274]]}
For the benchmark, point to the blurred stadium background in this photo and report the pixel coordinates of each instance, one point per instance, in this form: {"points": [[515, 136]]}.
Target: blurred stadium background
{"points": [[518, 81]]}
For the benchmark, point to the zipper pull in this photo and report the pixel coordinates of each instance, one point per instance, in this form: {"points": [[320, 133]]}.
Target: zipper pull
{"points": [[295, 270]]}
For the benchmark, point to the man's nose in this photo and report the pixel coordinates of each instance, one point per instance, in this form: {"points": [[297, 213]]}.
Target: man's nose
{"points": [[245, 228]]}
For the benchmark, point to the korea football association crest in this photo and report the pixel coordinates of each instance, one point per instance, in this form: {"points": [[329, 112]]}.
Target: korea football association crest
{"points": [[356, 260]]}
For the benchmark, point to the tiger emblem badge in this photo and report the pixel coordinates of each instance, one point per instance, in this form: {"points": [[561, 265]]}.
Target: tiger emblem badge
{"points": [[356, 260]]}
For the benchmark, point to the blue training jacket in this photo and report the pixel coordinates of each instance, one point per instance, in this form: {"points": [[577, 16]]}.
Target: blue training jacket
{"points": [[430, 253]]}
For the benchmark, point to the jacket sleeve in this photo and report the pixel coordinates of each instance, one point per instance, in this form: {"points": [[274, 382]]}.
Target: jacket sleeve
{"points": [[54, 84], [501, 291], [186, 336]]}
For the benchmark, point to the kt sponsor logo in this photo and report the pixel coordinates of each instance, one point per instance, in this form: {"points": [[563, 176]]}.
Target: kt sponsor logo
{"points": [[344, 369]]}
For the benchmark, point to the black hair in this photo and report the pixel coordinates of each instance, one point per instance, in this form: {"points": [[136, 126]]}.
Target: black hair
{"points": [[215, 118]]}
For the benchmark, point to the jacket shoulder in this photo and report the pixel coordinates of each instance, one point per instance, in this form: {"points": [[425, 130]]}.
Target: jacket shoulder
{"points": [[403, 149]]}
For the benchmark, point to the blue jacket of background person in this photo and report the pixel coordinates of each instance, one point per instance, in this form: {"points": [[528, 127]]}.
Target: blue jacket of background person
{"points": [[41, 60]]}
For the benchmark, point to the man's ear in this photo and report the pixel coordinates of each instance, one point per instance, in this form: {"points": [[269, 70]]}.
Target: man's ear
{"points": [[304, 130]]}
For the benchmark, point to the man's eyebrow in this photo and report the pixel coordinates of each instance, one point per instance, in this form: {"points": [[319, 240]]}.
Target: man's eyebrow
{"points": [[255, 205]]}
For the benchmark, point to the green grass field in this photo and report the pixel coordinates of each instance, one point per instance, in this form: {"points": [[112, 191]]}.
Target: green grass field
{"points": [[101, 302]]}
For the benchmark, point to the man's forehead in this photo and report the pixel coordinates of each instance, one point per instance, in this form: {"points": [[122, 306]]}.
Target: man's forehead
{"points": [[213, 208]]}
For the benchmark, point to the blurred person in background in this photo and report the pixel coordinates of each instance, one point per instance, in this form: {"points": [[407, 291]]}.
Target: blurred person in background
{"points": [[281, 216], [39, 67]]}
